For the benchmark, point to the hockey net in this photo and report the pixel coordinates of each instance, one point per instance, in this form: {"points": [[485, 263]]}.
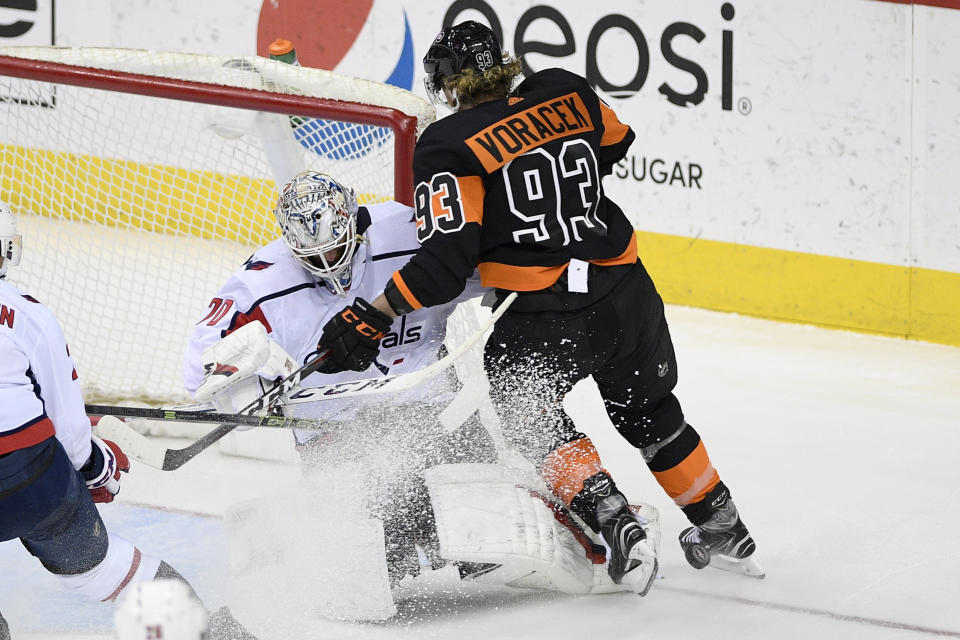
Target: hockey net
{"points": [[141, 180]]}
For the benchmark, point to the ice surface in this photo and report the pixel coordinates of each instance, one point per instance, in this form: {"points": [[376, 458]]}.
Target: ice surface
{"points": [[840, 450]]}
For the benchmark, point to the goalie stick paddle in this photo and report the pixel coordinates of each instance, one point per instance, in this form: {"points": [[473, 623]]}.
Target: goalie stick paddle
{"points": [[157, 456]]}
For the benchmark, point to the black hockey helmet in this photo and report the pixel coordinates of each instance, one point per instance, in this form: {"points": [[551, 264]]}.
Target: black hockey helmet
{"points": [[468, 45]]}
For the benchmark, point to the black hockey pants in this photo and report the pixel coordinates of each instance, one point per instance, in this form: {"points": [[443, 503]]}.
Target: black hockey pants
{"points": [[533, 358]]}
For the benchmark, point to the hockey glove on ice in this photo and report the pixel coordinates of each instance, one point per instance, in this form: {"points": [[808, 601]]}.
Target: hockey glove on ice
{"points": [[102, 470], [353, 337]]}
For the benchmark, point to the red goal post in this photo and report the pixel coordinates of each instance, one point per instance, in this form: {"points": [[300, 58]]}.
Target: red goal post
{"points": [[141, 180]]}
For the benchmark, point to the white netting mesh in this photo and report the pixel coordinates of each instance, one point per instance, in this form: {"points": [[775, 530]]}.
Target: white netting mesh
{"points": [[134, 209]]}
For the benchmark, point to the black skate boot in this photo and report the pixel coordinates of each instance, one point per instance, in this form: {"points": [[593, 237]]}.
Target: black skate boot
{"points": [[604, 509], [632, 561], [722, 542]]}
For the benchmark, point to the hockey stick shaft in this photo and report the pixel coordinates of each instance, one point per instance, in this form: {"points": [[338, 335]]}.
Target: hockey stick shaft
{"points": [[158, 456], [174, 415]]}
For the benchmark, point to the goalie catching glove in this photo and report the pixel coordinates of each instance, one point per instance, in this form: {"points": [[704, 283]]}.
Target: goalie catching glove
{"points": [[353, 336], [234, 367], [102, 469]]}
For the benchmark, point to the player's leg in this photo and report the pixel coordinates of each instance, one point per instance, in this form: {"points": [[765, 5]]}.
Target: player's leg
{"points": [[65, 533], [409, 528], [637, 388], [532, 363], [380, 443], [47, 505], [409, 522]]}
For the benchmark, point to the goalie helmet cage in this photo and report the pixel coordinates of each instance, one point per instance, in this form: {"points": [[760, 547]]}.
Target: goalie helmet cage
{"points": [[142, 179]]}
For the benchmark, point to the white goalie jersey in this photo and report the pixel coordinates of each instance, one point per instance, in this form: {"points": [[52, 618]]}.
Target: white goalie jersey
{"points": [[272, 287]]}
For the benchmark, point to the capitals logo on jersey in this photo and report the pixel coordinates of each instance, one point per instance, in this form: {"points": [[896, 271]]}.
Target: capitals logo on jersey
{"points": [[217, 369], [405, 335], [256, 265]]}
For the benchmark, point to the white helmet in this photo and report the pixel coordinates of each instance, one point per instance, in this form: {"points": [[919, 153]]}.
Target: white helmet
{"points": [[318, 219], [165, 609], [10, 240]]}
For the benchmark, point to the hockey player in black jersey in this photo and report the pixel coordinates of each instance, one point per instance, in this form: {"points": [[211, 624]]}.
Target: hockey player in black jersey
{"points": [[510, 184]]}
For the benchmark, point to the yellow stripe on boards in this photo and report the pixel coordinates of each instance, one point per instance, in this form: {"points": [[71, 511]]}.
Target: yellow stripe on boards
{"points": [[126, 194], [787, 285], [770, 283], [935, 311], [147, 197]]}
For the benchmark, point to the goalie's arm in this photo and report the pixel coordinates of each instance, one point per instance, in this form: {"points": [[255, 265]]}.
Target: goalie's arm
{"points": [[228, 310]]}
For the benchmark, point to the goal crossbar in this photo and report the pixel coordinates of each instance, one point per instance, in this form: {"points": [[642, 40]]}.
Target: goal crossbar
{"points": [[404, 126]]}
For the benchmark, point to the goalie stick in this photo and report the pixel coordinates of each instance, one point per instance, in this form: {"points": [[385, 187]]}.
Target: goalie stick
{"points": [[179, 415], [156, 455]]}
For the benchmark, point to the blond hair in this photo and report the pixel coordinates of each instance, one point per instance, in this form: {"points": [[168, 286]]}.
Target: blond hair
{"points": [[494, 83]]}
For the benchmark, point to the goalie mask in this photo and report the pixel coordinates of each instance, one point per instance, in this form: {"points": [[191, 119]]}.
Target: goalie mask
{"points": [[318, 220], [468, 45], [10, 240]]}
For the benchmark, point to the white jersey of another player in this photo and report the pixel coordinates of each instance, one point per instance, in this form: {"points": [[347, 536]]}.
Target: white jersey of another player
{"points": [[39, 392], [274, 288]]}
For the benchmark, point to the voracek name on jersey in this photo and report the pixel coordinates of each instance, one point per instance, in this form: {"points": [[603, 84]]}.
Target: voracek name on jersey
{"points": [[594, 74]]}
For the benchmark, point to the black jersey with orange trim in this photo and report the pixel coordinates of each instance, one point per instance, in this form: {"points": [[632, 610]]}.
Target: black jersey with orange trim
{"points": [[513, 188]]}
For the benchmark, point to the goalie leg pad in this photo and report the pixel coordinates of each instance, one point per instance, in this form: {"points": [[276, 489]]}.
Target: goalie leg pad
{"points": [[485, 513]]}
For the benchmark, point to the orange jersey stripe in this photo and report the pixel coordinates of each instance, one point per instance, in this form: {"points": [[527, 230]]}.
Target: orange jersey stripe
{"points": [[405, 291], [514, 278], [613, 130], [627, 257], [31, 435], [523, 131], [690, 480], [566, 468], [472, 193]]}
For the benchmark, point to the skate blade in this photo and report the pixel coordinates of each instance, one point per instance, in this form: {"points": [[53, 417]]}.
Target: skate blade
{"points": [[744, 566]]}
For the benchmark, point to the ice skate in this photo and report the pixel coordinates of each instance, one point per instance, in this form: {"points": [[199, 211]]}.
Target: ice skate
{"points": [[722, 542], [632, 561]]}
